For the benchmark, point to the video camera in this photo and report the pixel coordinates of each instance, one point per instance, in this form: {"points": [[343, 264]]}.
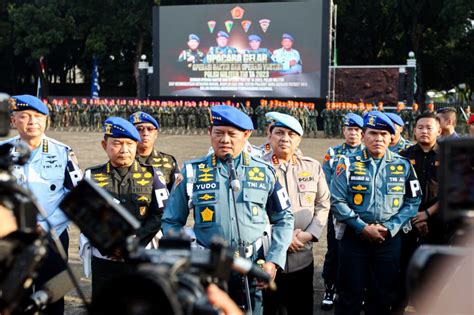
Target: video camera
{"points": [[438, 273], [170, 280]]}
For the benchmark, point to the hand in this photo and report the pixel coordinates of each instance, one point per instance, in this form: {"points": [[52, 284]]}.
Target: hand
{"points": [[8, 222], [269, 268], [296, 243], [420, 217], [222, 301], [422, 228], [292, 62], [304, 237], [374, 233]]}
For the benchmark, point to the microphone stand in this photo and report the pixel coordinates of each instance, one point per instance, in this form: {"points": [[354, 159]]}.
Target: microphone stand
{"points": [[233, 187]]}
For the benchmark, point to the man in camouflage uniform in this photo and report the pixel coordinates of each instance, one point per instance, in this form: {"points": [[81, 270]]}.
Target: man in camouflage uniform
{"points": [[192, 54], [312, 120], [326, 116], [260, 113]]}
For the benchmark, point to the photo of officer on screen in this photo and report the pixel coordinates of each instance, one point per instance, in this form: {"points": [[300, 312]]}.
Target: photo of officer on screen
{"points": [[288, 57], [222, 40], [255, 49], [192, 54]]}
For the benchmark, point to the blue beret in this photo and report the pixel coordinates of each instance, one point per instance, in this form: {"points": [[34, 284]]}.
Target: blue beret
{"points": [[255, 38], [117, 127], [24, 102], [395, 119], [270, 117], [193, 37], [353, 120], [378, 120], [223, 115], [288, 36], [142, 117], [222, 34], [290, 122]]}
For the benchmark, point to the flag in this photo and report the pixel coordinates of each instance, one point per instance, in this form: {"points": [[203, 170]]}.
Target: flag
{"points": [[39, 87], [95, 87]]}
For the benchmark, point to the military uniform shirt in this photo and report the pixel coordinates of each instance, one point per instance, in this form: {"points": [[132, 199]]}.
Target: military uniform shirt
{"points": [[332, 157], [365, 192], [401, 145], [185, 54], [141, 189], [205, 190], [49, 174], [165, 163]]}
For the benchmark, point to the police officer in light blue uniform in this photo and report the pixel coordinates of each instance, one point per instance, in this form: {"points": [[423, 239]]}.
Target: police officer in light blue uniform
{"points": [[374, 192], [288, 57], [352, 132], [398, 143], [222, 49], [50, 172], [255, 49], [205, 190]]}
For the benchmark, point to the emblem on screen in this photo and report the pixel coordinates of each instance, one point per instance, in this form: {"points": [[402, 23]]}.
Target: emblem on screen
{"points": [[211, 24], [237, 13], [264, 24]]}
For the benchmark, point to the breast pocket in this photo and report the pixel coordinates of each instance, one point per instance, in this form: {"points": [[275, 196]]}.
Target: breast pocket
{"points": [[307, 194], [205, 208], [255, 201], [53, 178], [394, 196], [359, 195]]}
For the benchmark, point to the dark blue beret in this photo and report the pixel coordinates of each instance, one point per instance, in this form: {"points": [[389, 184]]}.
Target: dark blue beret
{"points": [[396, 119], [353, 120], [223, 115], [288, 36], [255, 38], [142, 117], [117, 127], [378, 120], [25, 102], [222, 34]]}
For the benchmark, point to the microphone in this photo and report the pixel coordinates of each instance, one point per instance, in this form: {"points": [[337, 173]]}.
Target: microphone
{"points": [[52, 291], [234, 180]]}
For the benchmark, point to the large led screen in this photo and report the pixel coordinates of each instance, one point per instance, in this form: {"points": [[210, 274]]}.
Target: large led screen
{"points": [[251, 50]]}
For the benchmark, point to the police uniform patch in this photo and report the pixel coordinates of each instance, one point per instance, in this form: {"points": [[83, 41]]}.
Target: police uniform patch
{"points": [[359, 188], [256, 174], [207, 214], [396, 202], [358, 199], [255, 211], [148, 175], [142, 210], [143, 182], [143, 198], [339, 168], [327, 157], [206, 175], [102, 184], [137, 175], [207, 196], [167, 165]]}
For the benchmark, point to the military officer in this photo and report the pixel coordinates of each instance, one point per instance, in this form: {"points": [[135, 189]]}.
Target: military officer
{"points": [[222, 48], [326, 115], [288, 57], [50, 172], [352, 132], [140, 188], [147, 154], [374, 192], [303, 179], [255, 49], [398, 143], [192, 54], [205, 190]]}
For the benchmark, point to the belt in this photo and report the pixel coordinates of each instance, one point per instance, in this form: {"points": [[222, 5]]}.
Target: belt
{"points": [[253, 248]]}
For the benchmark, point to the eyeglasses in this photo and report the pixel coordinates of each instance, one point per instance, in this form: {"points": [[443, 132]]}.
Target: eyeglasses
{"points": [[149, 129]]}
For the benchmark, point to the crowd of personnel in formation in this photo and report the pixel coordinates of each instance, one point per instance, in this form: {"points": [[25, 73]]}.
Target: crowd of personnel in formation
{"points": [[376, 190], [191, 117]]}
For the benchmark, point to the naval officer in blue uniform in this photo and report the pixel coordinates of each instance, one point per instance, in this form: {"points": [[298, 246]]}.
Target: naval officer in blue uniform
{"points": [[50, 172], [205, 190], [375, 192], [398, 143]]}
